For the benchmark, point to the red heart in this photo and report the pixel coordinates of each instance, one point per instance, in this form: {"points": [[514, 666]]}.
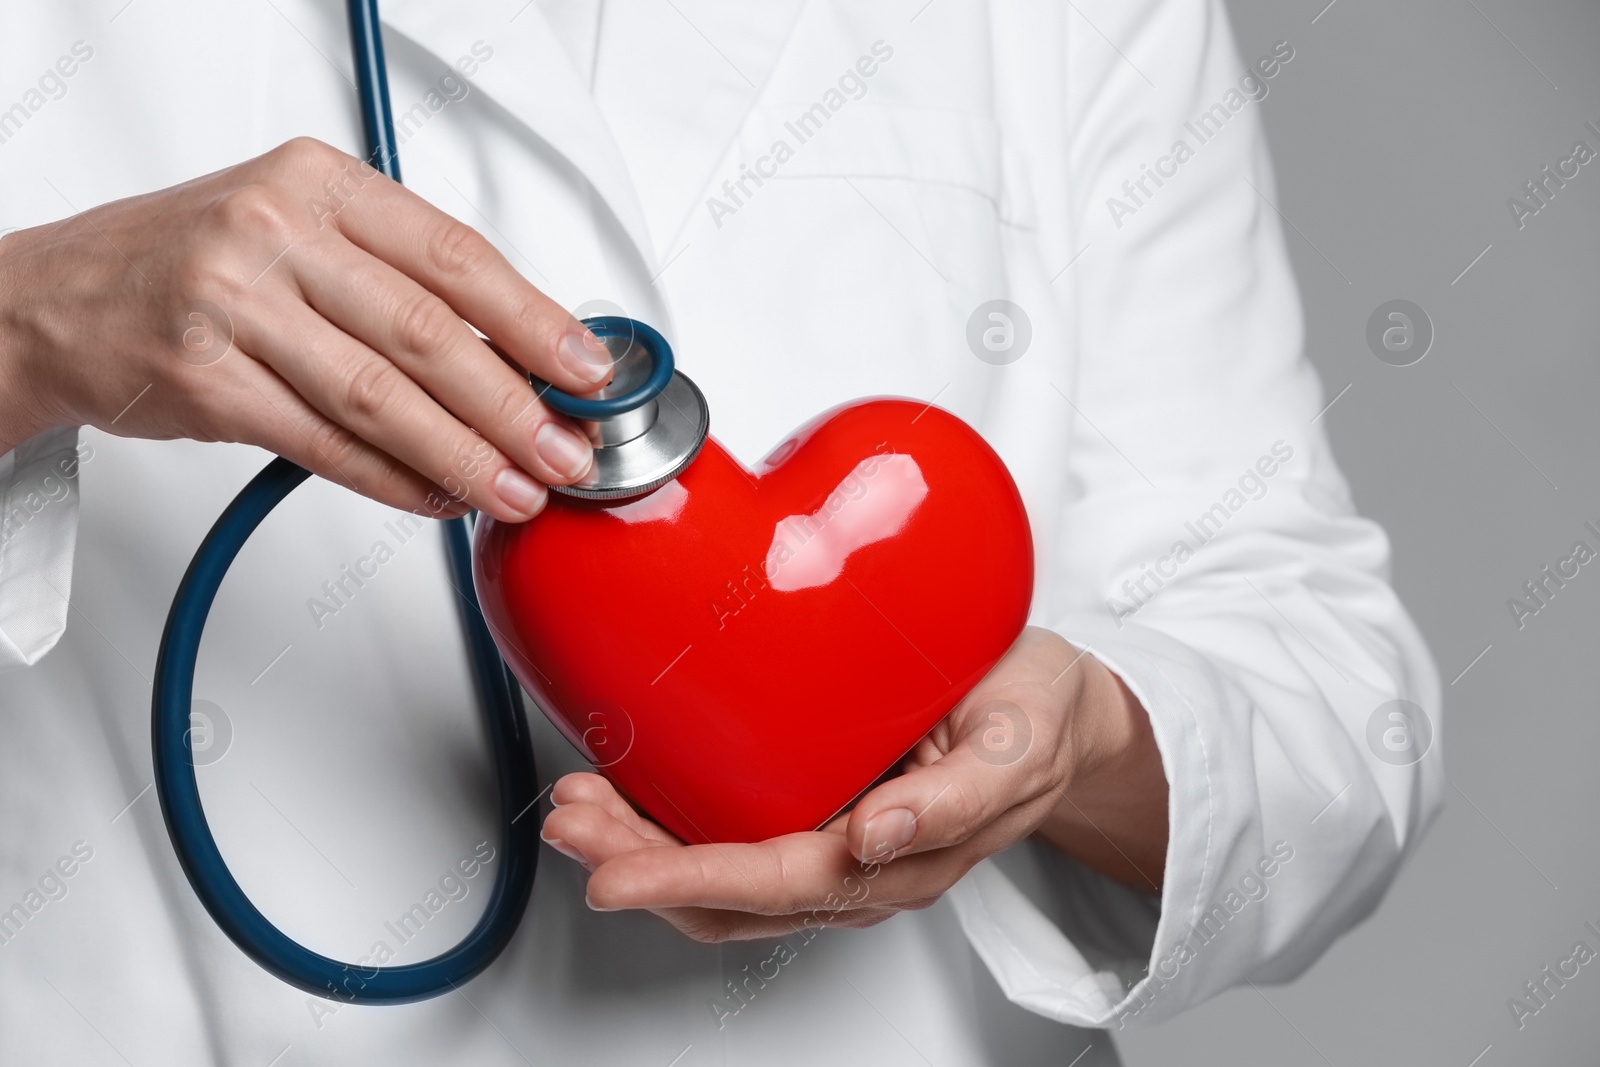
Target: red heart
{"points": [[742, 652]]}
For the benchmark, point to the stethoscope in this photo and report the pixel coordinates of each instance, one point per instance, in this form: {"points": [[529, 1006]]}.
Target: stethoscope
{"points": [[639, 444]]}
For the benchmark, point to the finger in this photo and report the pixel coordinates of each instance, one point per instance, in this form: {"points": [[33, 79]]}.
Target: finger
{"points": [[710, 926], [362, 391], [984, 775], [782, 876], [423, 336], [591, 835], [584, 787], [801, 874], [281, 421], [450, 258]]}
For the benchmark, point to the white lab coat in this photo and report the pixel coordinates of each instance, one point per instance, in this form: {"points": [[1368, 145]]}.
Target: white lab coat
{"points": [[1165, 362]]}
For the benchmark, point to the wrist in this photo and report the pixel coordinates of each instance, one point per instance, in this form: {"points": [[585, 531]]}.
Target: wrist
{"points": [[1112, 811], [23, 413], [1110, 734]]}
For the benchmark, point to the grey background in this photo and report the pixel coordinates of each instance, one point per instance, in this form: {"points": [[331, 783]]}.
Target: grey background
{"points": [[1399, 131]]}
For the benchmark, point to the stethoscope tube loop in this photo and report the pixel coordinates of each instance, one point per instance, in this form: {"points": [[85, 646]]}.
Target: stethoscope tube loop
{"points": [[179, 792], [500, 698]]}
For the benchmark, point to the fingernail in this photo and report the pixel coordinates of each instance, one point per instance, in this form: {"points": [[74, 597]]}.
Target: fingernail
{"points": [[593, 906], [566, 452], [888, 832], [519, 492], [583, 354], [566, 850]]}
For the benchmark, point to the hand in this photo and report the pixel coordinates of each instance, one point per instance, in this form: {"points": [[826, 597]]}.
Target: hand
{"points": [[1049, 742], [302, 302]]}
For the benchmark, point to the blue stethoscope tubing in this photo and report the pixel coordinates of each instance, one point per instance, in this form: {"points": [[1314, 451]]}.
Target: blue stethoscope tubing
{"points": [[499, 697]]}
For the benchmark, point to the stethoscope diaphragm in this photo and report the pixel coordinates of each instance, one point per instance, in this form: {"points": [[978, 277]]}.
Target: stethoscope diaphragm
{"points": [[646, 425]]}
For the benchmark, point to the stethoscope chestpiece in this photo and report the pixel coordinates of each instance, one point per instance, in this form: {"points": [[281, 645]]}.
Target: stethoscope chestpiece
{"points": [[646, 425]]}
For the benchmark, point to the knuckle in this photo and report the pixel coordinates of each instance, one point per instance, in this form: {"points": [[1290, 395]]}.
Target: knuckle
{"points": [[475, 461], [205, 274], [371, 390], [455, 248], [255, 210], [329, 442], [780, 885], [426, 325], [304, 154], [1048, 772], [966, 809], [438, 504], [388, 474], [513, 403], [532, 323]]}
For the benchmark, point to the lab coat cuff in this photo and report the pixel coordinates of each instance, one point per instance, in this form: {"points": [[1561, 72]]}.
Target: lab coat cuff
{"points": [[38, 533], [1036, 961]]}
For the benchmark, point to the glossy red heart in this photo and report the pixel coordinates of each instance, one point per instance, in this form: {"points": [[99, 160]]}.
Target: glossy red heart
{"points": [[744, 652]]}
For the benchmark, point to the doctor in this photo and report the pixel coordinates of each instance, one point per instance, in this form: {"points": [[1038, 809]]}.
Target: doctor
{"points": [[815, 201]]}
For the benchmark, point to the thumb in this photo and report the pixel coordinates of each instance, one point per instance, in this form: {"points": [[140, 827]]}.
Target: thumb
{"points": [[945, 802]]}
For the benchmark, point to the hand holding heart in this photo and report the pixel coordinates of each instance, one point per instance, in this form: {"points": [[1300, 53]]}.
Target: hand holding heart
{"points": [[1049, 742]]}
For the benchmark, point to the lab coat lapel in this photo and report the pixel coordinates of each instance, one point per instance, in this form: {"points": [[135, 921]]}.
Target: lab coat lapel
{"points": [[533, 78], [714, 167]]}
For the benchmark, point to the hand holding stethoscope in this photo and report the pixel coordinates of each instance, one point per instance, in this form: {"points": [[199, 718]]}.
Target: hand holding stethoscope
{"points": [[305, 303]]}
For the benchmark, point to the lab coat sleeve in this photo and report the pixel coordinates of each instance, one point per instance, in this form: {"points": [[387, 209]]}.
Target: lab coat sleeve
{"points": [[38, 532], [1256, 626]]}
